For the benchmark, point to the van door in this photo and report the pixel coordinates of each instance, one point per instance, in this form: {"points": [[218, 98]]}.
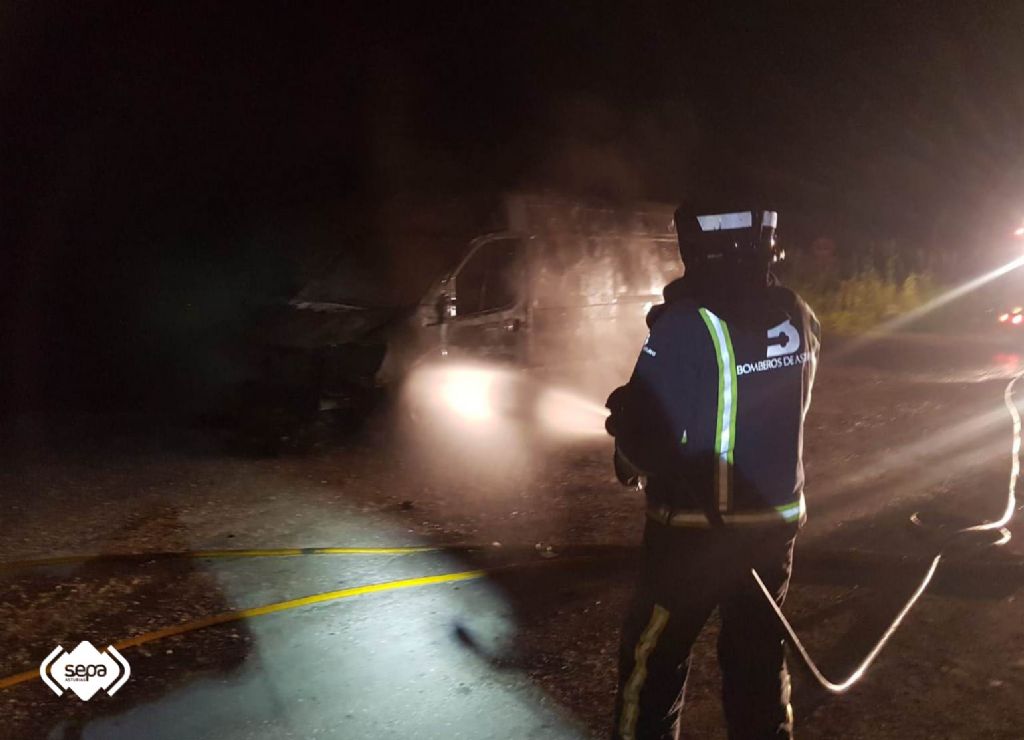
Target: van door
{"points": [[488, 312]]}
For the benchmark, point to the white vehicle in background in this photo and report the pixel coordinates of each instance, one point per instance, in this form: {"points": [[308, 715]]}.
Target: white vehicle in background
{"points": [[560, 289]]}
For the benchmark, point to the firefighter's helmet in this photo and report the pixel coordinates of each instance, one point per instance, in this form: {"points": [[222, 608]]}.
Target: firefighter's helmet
{"points": [[744, 237]]}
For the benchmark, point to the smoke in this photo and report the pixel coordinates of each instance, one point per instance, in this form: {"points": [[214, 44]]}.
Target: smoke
{"points": [[590, 279], [593, 147]]}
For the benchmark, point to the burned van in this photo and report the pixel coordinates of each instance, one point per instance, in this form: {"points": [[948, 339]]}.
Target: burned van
{"points": [[561, 289]]}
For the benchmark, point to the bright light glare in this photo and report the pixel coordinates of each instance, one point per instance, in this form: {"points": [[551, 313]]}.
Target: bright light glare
{"points": [[1004, 317], [1017, 319], [486, 400], [952, 295], [948, 297], [1019, 231], [468, 392], [457, 392]]}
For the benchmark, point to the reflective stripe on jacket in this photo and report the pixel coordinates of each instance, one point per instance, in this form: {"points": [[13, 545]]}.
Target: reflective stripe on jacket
{"points": [[715, 407]]}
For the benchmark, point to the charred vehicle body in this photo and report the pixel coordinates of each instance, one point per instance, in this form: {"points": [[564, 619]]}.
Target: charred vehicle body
{"points": [[559, 289]]}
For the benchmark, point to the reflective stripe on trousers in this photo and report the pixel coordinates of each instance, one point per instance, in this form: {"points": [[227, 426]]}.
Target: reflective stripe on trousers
{"points": [[786, 514], [635, 684]]}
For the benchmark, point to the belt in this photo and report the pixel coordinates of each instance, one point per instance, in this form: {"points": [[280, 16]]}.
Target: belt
{"points": [[792, 513]]}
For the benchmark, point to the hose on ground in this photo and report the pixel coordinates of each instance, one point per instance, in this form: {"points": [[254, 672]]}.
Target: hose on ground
{"points": [[985, 529]]}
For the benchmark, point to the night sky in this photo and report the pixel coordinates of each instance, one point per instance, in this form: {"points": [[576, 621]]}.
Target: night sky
{"points": [[161, 158]]}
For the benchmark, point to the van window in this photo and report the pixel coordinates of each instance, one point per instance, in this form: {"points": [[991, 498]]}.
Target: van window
{"points": [[487, 281]]}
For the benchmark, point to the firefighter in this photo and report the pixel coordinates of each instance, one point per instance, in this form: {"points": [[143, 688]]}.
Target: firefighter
{"points": [[710, 426]]}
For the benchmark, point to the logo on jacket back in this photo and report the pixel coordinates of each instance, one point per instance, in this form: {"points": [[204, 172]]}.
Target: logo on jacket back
{"points": [[787, 332], [783, 351]]}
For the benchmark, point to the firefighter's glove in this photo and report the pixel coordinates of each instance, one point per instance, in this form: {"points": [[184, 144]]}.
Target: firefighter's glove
{"points": [[627, 473], [616, 405]]}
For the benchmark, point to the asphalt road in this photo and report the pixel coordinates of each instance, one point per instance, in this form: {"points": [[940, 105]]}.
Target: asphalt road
{"points": [[387, 665], [524, 650]]}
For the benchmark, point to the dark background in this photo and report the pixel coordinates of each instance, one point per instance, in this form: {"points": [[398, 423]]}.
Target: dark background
{"points": [[170, 168]]}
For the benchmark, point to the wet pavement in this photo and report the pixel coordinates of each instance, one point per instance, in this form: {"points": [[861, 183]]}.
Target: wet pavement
{"points": [[526, 649]]}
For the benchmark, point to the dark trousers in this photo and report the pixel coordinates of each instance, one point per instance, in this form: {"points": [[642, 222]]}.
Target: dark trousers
{"points": [[686, 573]]}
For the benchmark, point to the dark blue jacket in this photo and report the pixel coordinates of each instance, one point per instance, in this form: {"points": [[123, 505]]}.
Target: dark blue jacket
{"points": [[713, 413]]}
